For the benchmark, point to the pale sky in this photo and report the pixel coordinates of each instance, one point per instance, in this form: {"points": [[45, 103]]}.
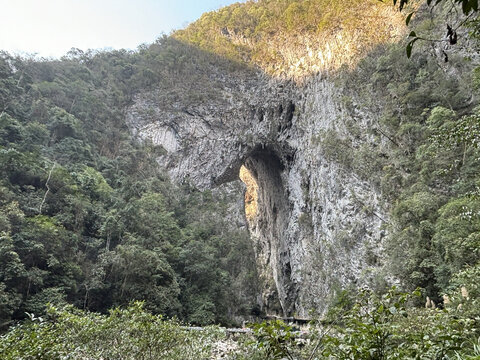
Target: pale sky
{"points": [[52, 27]]}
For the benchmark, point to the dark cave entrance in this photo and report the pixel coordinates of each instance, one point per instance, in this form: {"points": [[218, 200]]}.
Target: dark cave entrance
{"points": [[267, 213], [264, 196]]}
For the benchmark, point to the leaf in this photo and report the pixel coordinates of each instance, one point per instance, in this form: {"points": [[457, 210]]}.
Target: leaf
{"points": [[412, 34], [466, 7], [474, 5], [410, 47], [409, 17]]}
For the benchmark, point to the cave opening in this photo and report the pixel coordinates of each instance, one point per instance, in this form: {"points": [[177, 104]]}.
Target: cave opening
{"points": [[267, 214], [261, 174], [251, 193]]}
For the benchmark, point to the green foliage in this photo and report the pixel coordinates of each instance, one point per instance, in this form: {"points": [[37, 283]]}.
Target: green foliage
{"points": [[130, 333], [463, 132], [385, 327], [274, 339], [365, 332], [85, 214], [463, 292], [457, 236]]}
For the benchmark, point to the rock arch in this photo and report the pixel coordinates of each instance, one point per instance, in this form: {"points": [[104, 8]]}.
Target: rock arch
{"points": [[310, 233], [269, 227]]}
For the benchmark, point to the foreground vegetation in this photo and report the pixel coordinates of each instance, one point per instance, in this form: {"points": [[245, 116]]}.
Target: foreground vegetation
{"points": [[131, 333], [367, 327], [380, 327]]}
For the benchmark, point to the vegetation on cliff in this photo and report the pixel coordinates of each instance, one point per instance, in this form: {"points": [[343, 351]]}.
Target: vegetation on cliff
{"points": [[291, 38], [422, 153]]}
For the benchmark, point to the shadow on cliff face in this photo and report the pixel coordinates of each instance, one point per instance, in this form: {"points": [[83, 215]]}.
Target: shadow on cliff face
{"points": [[213, 115], [187, 72], [268, 226]]}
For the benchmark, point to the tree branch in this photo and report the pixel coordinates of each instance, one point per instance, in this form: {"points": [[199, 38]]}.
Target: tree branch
{"points": [[48, 189]]}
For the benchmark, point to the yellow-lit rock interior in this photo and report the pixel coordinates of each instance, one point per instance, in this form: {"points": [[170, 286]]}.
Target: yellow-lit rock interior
{"points": [[251, 195]]}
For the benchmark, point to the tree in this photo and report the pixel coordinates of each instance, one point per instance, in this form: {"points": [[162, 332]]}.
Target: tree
{"points": [[468, 7], [143, 274]]}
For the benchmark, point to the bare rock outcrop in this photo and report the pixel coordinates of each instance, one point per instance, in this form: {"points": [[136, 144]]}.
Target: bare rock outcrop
{"points": [[312, 234]]}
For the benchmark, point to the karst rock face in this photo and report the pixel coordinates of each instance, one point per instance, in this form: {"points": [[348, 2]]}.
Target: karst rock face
{"points": [[318, 226]]}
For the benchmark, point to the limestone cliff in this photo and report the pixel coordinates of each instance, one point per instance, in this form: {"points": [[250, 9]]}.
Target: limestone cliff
{"points": [[310, 232], [318, 227]]}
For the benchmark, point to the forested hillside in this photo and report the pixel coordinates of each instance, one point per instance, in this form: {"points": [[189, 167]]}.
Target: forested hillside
{"points": [[86, 215], [294, 39], [422, 152], [428, 169]]}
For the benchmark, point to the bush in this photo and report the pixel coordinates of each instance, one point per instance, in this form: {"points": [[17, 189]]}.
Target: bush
{"points": [[123, 334], [384, 327]]}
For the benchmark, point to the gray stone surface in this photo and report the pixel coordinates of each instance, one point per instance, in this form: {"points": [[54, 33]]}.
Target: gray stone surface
{"points": [[312, 235]]}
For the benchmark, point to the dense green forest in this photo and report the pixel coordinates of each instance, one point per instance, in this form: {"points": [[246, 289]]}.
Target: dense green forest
{"points": [[423, 155], [88, 219]]}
